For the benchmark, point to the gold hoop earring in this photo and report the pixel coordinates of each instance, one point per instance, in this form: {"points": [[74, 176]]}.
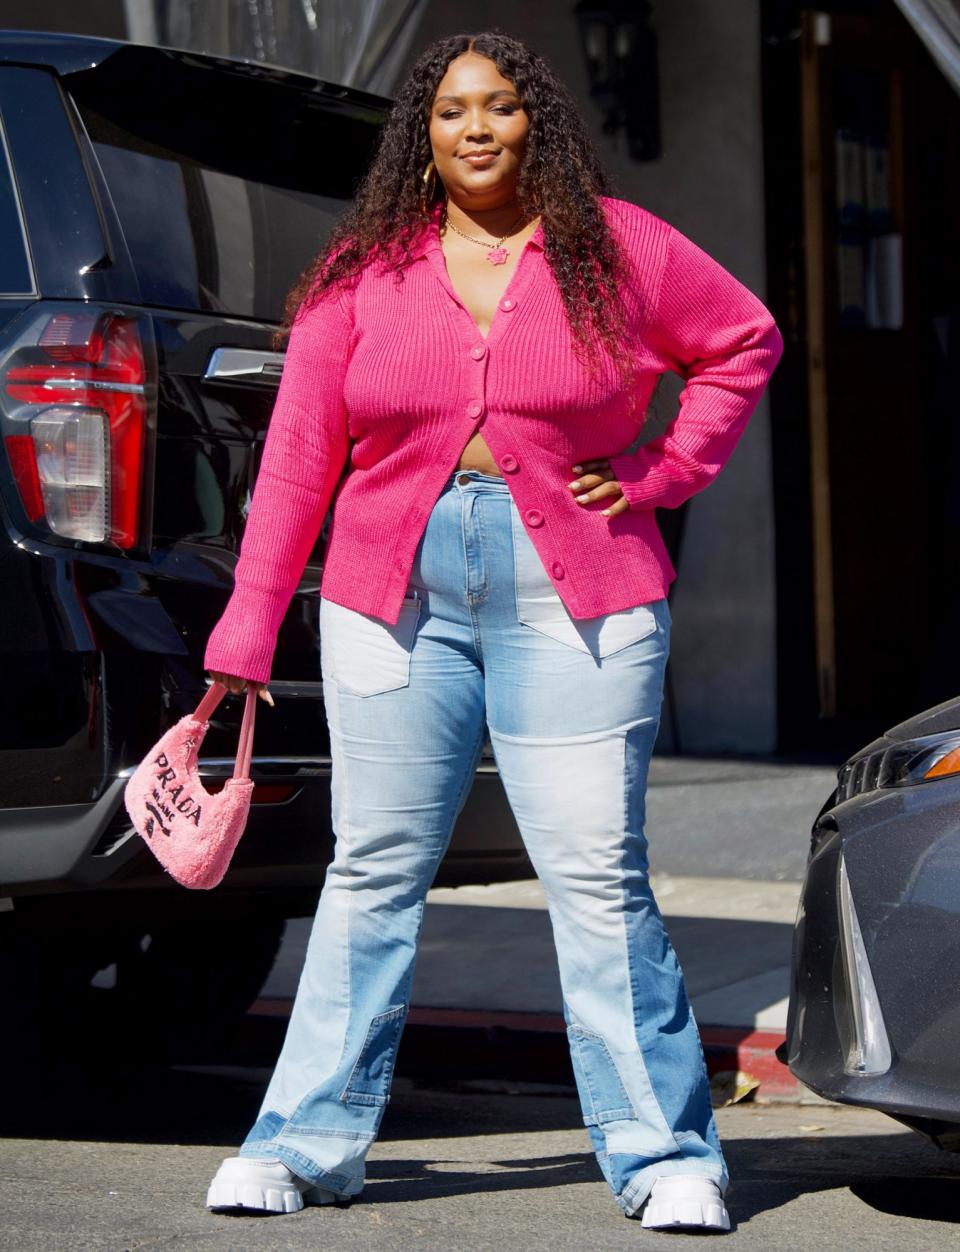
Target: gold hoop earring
{"points": [[428, 187]]}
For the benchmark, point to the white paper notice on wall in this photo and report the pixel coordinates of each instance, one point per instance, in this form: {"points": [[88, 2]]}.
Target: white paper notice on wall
{"points": [[884, 282]]}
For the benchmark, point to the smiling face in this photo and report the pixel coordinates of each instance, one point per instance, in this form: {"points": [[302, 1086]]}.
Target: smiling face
{"points": [[478, 133]]}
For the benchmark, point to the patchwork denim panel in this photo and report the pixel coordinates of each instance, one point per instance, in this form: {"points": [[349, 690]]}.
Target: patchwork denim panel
{"points": [[601, 1088], [370, 1078]]}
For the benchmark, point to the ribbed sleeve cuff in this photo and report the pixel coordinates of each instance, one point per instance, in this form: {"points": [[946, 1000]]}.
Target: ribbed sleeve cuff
{"points": [[651, 484], [638, 485], [244, 640]]}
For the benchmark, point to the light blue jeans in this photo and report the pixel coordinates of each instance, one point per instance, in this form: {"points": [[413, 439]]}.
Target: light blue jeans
{"points": [[573, 709]]}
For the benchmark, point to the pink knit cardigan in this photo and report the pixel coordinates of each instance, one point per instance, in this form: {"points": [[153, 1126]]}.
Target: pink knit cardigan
{"points": [[388, 379]]}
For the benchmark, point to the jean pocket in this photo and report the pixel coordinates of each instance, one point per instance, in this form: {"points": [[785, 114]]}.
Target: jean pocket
{"points": [[362, 654], [540, 607], [369, 1081], [603, 1096]]}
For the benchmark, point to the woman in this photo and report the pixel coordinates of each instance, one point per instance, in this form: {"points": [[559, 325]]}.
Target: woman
{"points": [[467, 365]]}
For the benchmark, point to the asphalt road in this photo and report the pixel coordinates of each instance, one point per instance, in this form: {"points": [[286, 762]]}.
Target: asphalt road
{"points": [[733, 818], [118, 1164]]}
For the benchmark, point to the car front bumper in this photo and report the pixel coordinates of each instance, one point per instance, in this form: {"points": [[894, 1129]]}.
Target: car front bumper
{"points": [[875, 999]]}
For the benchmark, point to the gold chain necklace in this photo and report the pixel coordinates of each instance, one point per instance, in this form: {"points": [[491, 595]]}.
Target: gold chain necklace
{"points": [[498, 253]]}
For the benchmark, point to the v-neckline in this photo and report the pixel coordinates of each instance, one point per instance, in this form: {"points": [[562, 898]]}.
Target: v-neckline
{"points": [[439, 260]]}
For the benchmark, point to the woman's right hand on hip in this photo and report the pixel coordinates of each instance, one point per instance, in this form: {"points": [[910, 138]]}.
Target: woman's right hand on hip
{"points": [[236, 684]]}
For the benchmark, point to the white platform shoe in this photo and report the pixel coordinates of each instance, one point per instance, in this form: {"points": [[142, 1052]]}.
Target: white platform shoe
{"points": [[265, 1186], [685, 1200]]}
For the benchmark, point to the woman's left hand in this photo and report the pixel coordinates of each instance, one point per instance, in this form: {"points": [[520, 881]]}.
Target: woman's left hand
{"points": [[598, 482]]}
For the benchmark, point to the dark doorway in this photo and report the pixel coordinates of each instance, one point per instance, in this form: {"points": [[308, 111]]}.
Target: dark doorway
{"points": [[861, 139]]}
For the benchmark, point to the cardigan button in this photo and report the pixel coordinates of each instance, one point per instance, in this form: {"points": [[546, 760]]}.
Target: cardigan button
{"points": [[474, 408], [507, 304], [534, 517], [558, 570], [478, 352], [509, 464]]}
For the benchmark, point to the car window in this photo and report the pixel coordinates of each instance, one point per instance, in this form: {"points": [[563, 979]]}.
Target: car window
{"points": [[203, 237], [16, 278]]}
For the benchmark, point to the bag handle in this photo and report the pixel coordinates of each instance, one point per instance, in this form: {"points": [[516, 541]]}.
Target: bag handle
{"points": [[245, 747], [214, 694], [206, 707]]}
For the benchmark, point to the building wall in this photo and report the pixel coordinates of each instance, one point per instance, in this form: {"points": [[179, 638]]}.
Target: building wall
{"points": [[104, 18], [709, 184]]}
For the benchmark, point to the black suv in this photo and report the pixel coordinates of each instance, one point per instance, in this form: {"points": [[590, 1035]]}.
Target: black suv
{"points": [[155, 207]]}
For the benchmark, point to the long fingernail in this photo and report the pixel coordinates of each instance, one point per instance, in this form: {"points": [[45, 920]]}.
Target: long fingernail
{"points": [[578, 469], [574, 485], [580, 499], [269, 699]]}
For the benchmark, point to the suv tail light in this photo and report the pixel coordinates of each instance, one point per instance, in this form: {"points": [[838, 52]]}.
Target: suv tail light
{"points": [[75, 414]]}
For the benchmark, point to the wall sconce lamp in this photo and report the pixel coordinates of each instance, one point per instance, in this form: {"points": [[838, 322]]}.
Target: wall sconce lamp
{"points": [[620, 48]]}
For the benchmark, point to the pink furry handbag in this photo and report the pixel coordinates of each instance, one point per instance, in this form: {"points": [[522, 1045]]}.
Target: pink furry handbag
{"points": [[191, 833]]}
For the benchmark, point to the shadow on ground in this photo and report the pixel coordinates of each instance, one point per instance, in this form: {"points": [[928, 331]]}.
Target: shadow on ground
{"points": [[895, 1173]]}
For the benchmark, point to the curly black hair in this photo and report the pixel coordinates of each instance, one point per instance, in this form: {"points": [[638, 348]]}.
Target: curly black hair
{"points": [[560, 179]]}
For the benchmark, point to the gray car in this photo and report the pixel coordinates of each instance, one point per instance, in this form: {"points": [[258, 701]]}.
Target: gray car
{"points": [[875, 999]]}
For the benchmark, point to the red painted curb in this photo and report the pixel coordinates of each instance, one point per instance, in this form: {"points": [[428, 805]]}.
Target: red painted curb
{"points": [[753, 1052], [725, 1047]]}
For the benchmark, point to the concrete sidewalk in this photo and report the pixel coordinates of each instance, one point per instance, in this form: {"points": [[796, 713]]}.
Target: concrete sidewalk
{"points": [[487, 961], [732, 936]]}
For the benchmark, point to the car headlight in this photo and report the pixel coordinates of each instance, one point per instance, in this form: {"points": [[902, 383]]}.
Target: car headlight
{"points": [[901, 765]]}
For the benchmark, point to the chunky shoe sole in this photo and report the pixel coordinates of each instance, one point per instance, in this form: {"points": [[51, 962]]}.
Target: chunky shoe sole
{"points": [[243, 1184], [685, 1201]]}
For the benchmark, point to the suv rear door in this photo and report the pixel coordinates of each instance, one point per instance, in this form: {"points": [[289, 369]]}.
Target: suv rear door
{"points": [[222, 195]]}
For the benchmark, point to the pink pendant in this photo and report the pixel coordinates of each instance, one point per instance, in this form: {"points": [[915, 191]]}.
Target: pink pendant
{"points": [[497, 256]]}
